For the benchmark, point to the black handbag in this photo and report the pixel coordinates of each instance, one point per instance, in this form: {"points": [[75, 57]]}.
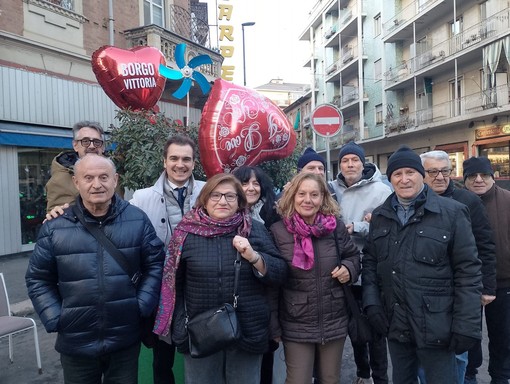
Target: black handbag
{"points": [[359, 329], [217, 328], [149, 338]]}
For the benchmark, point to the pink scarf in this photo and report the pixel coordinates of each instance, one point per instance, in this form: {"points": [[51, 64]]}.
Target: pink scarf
{"points": [[303, 249], [197, 222]]}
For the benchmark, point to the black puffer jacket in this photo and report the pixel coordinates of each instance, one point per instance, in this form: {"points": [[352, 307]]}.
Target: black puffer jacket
{"points": [[81, 292], [426, 274], [312, 306], [482, 232], [206, 276]]}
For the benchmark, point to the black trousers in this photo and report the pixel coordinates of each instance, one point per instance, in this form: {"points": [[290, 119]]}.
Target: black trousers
{"points": [[163, 363]]}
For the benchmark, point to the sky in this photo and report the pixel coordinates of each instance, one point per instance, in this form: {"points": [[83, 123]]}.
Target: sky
{"points": [[272, 45]]}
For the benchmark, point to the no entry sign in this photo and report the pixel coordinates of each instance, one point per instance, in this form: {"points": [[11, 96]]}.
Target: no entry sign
{"points": [[327, 120]]}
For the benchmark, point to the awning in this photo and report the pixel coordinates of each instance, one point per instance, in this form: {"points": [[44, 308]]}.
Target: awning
{"points": [[27, 135]]}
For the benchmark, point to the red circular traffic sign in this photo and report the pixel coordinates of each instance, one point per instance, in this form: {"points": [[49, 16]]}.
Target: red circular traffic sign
{"points": [[326, 120]]}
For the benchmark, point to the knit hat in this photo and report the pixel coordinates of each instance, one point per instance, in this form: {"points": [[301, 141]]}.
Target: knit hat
{"points": [[351, 148], [404, 157], [309, 155], [477, 165]]}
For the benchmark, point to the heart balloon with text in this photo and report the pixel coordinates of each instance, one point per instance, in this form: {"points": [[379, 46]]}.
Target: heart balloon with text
{"points": [[130, 77], [239, 126]]}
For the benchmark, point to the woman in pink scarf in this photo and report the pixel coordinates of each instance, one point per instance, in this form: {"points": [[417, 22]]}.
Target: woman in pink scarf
{"points": [[199, 275], [312, 311]]}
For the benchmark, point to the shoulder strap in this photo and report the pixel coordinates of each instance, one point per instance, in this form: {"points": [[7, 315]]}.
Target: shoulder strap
{"points": [[108, 245], [351, 301]]}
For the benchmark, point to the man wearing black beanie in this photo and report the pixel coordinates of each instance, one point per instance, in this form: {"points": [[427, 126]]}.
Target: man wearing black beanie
{"points": [[421, 275], [479, 178]]}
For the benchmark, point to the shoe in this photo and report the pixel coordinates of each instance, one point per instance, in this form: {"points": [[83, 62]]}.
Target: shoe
{"points": [[361, 380], [470, 380]]}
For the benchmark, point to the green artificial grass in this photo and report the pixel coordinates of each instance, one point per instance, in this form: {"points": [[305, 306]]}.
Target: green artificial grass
{"points": [[145, 367]]}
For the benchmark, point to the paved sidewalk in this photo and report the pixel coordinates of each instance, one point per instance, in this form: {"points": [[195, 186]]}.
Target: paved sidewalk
{"points": [[24, 368]]}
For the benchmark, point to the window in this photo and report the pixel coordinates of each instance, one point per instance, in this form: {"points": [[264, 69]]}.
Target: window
{"points": [[378, 69], [153, 12], [377, 24], [379, 114], [34, 169]]}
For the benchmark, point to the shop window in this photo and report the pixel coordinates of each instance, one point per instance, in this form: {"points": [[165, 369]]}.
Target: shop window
{"points": [[498, 154], [457, 153], [34, 170]]}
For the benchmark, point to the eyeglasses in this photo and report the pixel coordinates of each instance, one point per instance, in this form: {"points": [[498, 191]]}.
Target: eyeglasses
{"points": [[435, 172], [484, 176], [230, 197], [86, 142]]}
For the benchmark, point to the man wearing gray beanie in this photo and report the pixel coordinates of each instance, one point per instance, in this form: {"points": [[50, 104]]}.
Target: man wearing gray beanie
{"points": [[479, 178], [421, 275], [359, 190]]}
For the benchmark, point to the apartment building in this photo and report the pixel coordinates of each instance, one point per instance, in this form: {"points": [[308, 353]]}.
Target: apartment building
{"points": [[432, 74], [47, 84]]}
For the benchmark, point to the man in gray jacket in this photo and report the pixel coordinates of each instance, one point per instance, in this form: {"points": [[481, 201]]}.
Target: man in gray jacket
{"points": [[166, 202], [359, 190]]}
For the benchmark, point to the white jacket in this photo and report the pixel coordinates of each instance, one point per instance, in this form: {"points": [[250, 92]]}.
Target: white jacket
{"points": [[152, 201]]}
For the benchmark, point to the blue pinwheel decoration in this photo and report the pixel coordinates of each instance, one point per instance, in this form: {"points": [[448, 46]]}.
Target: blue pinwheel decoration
{"points": [[186, 72]]}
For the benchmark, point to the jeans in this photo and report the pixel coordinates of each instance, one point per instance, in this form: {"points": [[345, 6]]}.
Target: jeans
{"points": [[119, 367], [370, 356], [229, 366], [163, 362], [438, 364], [497, 315]]}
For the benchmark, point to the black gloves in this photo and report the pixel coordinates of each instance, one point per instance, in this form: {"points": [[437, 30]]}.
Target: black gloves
{"points": [[377, 319], [460, 343]]}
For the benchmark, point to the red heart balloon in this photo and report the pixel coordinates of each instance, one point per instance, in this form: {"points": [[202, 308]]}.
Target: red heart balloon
{"points": [[130, 77], [241, 127]]}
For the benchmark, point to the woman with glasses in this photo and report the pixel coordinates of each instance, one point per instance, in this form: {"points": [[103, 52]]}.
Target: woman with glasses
{"points": [[199, 275], [313, 312]]}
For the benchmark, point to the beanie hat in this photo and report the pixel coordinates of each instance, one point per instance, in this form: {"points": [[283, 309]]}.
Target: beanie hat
{"points": [[351, 148], [477, 165], [404, 157], [309, 155]]}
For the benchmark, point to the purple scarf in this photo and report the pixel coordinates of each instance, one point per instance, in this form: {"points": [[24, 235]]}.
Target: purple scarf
{"points": [[303, 249], [199, 223]]}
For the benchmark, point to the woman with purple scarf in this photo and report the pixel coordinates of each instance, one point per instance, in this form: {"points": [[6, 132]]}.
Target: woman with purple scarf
{"points": [[313, 312], [199, 272]]}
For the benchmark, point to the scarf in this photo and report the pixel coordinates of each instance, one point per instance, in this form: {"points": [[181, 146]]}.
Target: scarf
{"points": [[197, 222], [303, 257]]}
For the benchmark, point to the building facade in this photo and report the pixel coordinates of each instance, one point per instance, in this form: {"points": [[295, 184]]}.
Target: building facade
{"points": [[432, 74], [47, 84]]}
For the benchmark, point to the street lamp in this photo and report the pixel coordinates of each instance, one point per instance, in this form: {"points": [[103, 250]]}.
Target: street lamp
{"points": [[247, 24]]}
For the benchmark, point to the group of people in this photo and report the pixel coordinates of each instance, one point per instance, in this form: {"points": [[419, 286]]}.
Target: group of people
{"points": [[433, 255]]}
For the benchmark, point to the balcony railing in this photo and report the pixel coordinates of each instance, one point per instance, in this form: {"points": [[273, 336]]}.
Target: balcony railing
{"points": [[427, 56], [166, 41], [406, 14], [469, 105]]}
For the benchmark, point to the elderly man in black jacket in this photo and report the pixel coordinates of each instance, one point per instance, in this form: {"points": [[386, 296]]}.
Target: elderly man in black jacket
{"points": [[80, 291], [438, 169], [421, 275]]}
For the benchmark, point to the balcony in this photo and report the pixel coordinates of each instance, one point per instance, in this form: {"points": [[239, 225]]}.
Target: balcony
{"points": [[462, 43], [405, 15]]}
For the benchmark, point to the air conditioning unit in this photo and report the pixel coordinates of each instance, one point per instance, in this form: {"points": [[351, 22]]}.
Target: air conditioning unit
{"points": [[347, 56]]}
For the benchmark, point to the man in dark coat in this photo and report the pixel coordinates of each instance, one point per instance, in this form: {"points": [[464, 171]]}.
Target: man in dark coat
{"points": [[479, 178], [438, 169], [82, 292], [421, 275]]}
